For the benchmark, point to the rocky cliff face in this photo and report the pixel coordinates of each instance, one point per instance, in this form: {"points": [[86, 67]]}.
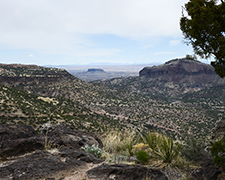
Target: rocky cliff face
{"points": [[182, 70]]}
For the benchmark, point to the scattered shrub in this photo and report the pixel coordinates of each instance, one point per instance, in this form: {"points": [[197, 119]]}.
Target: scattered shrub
{"points": [[93, 150], [142, 156], [218, 152]]}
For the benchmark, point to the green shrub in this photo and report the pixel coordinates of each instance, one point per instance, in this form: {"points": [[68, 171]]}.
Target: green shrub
{"points": [[218, 152], [166, 149], [93, 150], [142, 156]]}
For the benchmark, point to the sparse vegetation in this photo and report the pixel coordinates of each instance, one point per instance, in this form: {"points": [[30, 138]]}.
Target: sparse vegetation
{"points": [[126, 104], [143, 123], [218, 152], [93, 150], [148, 148]]}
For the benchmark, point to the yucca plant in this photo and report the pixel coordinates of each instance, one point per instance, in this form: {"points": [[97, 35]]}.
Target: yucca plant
{"points": [[150, 138], [166, 149], [163, 147]]}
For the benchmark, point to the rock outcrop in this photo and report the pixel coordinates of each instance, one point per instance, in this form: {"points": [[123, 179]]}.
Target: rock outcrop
{"points": [[18, 139], [65, 135], [56, 153], [28, 155], [182, 70]]}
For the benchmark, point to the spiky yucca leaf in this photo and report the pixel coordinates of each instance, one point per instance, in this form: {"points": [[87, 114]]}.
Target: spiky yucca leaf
{"points": [[150, 138], [166, 149]]}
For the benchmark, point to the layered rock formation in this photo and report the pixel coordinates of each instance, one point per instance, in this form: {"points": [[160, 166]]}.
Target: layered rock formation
{"points": [[182, 70]]}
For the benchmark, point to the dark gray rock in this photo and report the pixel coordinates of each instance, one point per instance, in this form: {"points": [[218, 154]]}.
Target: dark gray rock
{"points": [[207, 171], [125, 172], [20, 146], [18, 139], [15, 131], [219, 131], [35, 166], [65, 135], [43, 164], [72, 155]]}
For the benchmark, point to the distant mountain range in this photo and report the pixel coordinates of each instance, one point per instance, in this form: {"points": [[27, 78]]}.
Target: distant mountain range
{"points": [[182, 98]]}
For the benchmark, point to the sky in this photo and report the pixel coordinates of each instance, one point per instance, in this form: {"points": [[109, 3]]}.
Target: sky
{"points": [[79, 32]]}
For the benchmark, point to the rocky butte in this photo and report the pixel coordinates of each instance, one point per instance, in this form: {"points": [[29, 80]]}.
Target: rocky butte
{"points": [[182, 70], [95, 70]]}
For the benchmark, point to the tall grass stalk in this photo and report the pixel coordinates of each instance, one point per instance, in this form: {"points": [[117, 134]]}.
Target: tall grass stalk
{"points": [[118, 142]]}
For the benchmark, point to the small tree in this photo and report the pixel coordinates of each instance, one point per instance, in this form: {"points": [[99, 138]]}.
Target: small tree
{"points": [[204, 29]]}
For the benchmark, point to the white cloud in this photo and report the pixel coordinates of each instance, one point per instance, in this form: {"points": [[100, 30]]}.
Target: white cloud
{"points": [[174, 42], [56, 26], [31, 56]]}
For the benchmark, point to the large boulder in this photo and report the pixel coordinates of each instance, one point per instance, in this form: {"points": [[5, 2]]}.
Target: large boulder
{"points": [[34, 166], [125, 172], [18, 139], [65, 135]]}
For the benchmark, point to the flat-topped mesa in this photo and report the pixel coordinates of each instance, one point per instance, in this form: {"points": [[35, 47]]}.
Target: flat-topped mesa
{"points": [[19, 65], [93, 70], [21, 70], [178, 66], [181, 70]]}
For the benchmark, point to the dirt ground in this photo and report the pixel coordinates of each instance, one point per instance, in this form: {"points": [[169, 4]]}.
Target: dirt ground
{"points": [[79, 173]]}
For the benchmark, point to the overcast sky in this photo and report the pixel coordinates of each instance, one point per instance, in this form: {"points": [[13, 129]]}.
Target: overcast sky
{"points": [[63, 32]]}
